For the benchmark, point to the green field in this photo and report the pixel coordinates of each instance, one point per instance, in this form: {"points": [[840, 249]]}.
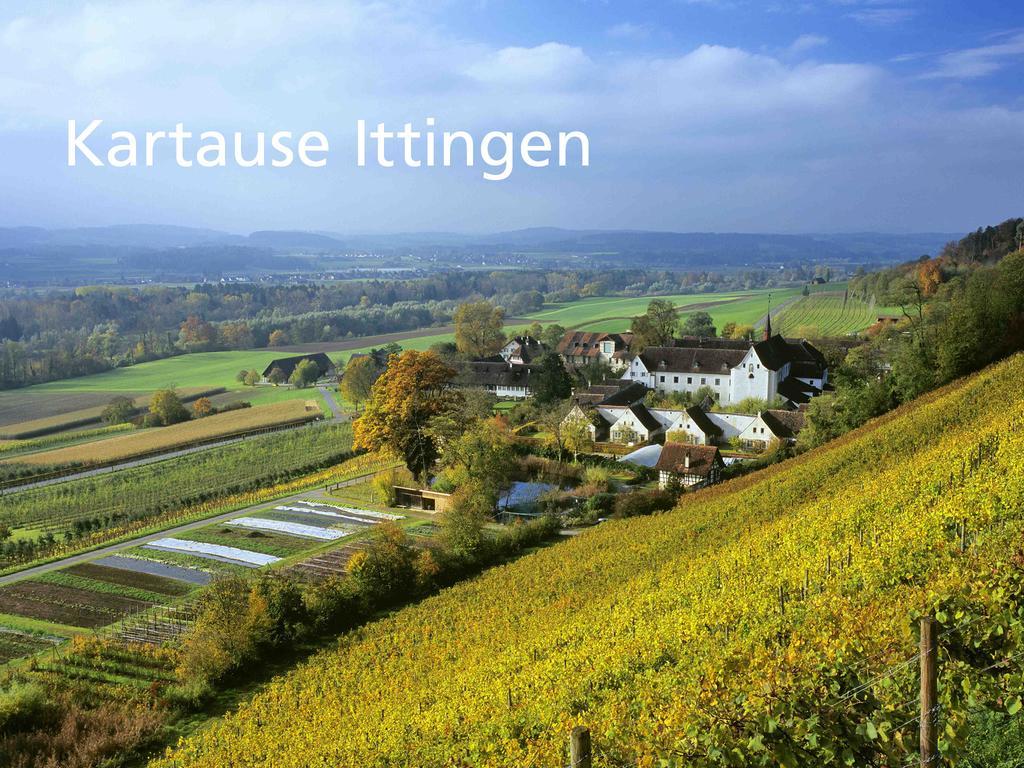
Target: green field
{"points": [[740, 308], [218, 369], [828, 313]]}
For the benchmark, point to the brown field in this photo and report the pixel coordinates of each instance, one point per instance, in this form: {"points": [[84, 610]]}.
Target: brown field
{"points": [[162, 439], [66, 605], [54, 413], [121, 577]]}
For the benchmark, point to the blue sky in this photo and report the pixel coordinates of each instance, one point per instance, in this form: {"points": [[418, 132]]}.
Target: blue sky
{"points": [[710, 115]]}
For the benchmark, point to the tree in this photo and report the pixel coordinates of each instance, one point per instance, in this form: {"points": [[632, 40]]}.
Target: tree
{"points": [[478, 328], [167, 408], [196, 334], [699, 324], [240, 376], [552, 335], [656, 327], [276, 376], [549, 381], [357, 381], [202, 407], [118, 411], [386, 572], [414, 389], [462, 524], [483, 452], [252, 378], [277, 338], [576, 436], [305, 373], [236, 335]]}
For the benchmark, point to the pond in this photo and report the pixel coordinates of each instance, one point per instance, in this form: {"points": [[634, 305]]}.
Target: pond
{"points": [[523, 494]]}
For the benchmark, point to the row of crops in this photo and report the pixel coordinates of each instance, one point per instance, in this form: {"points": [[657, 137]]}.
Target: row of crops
{"points": [[92, 510], [743, 628], [828, 314]]}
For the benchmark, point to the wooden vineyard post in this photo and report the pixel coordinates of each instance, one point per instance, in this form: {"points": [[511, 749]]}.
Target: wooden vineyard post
{"points": [[929, 731], [579, 748]]}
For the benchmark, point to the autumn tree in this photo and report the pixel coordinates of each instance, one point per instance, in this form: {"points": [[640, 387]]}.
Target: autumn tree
{"points": [[252, 378], [202, 407], [357, 381], [196, 334], [276, 376], [277, 338], [167, 408], [656, 327], [414, 389], [236, 335], [479, 328]]}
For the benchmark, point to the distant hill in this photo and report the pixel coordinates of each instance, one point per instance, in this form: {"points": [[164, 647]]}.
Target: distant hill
{"points": [[141, 252]]}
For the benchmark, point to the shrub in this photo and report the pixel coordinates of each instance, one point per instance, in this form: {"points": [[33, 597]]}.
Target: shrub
{"points": [[640, 503], [386, 573], [384, 484]]}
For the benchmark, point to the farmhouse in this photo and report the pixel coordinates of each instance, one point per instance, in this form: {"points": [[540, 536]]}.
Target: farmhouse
{"points": [[581, 348], [695, 466], [287, 365], [501, 378], [522, 350], [775, 367]]}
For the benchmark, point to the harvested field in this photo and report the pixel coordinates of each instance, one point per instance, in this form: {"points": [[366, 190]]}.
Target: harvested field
{"points": [[132, 579], [163, 439], [66, 605], [264, 542], [154, 568], [19, 406], [67, 417]]}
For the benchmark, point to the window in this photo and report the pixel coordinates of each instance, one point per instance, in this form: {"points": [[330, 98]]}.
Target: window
{"points": [[703, 380], [717, 382], [689, 379], [675, 379], [662, 379]]}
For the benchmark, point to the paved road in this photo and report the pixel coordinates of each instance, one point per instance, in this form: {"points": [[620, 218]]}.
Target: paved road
{"points": [[329, 396], [176, 531]]}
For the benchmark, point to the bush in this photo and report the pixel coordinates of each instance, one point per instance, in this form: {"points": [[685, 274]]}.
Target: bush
{"points": [[384, 483], [640, 503], [21, 704], [596, 480], [386, 573]]}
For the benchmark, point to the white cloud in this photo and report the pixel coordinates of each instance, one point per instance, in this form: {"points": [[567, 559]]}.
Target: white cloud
{"points": [[883, 17], [978, 62], [549, 64], [806, 43]]}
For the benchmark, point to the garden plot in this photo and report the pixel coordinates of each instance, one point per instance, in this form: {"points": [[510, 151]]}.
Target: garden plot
{"points": [[119, 577], [327, 509], [155, 568], [220, 552], [67, 605], [15, 644], [332, 564], [292, 529]]}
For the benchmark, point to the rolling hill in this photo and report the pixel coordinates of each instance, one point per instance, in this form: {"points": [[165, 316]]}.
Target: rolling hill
{"points": [[767, 621]]}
